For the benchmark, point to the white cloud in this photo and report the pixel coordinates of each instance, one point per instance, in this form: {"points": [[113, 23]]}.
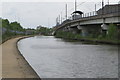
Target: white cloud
{"points": [[57, 0], [31, 13], [47, 0], [0, 9]]}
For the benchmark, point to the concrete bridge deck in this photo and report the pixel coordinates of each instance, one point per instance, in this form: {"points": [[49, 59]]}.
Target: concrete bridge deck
{"points": [[97, 19], [89, 24]]}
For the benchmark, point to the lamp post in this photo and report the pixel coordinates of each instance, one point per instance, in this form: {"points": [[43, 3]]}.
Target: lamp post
{"points": [[102, 6], [75, 5], [66, 11]]}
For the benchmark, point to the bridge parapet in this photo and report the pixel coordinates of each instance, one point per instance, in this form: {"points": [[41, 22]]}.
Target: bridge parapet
{"points": [[89, 18]]}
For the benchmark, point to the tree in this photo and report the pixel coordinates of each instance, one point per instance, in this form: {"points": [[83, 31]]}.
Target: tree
{"points": [[44, 31], [5, 23], [16, 26]]}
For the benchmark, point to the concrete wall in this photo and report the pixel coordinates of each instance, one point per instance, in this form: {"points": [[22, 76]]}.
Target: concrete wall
{"points": [[90, 29]]}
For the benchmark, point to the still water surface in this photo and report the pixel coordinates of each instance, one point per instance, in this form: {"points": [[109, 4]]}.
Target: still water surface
{"points": [[55, 58]]}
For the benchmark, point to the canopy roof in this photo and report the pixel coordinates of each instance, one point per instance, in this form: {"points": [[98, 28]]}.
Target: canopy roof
{"points": [[79, 12]]}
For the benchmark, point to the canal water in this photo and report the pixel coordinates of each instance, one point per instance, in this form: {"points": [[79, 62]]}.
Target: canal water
{"points": [[55, 58]]}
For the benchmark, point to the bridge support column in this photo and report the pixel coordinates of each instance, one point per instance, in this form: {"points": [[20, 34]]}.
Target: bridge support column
{"points": [[74, 30], [83, 30], [90, 30], [104, 28]]}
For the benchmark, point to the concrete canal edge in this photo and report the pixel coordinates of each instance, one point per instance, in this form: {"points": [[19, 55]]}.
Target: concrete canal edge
{"points": [[95, 41], [38, 78], [14, 65]]}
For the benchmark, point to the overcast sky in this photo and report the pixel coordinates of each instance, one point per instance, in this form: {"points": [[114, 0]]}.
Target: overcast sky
{"points": [[31, 13]]}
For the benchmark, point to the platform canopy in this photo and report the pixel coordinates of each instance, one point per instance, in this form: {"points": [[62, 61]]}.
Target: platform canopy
{"points": [[79, 12]]}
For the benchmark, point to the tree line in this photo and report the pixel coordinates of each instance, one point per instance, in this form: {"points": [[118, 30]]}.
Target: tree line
{"points": [[11, 29], [12, 26]]}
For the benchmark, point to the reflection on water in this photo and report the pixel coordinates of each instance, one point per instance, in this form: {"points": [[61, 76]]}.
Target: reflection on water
{"points": [[54, 58]]}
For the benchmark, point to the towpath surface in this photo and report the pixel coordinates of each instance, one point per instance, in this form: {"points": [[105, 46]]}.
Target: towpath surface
{"points": [[13, 63]]}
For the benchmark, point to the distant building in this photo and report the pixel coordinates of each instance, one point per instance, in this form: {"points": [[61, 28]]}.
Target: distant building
{"points": [[107, 9], [28, 32]]}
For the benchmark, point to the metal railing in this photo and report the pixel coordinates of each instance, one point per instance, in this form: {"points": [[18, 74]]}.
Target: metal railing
{"points": [[4, 30], [105, 11]]}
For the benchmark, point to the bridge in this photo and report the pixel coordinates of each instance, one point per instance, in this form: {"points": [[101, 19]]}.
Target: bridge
{"points": [[95, 21]]}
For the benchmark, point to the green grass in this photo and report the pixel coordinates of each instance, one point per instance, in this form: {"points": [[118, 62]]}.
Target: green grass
{"points": [[78, 37], [9, 35]]}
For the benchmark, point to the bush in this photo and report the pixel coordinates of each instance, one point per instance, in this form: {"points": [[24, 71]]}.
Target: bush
{"points": [[68, 35], [100, 37], [112, 32]]}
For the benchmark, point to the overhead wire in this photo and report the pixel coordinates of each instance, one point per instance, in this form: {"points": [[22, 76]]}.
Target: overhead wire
{"points": [[73, 9]]}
